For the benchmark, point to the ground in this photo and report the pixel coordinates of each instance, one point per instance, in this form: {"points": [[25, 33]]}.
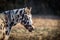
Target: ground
{"points": [[44, 29]]}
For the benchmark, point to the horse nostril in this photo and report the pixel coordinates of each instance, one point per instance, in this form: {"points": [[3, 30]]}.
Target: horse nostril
{"points": [[30, 29]]}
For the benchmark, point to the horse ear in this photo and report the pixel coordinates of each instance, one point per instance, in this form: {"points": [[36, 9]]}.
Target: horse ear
{"points": [[28, 10]]}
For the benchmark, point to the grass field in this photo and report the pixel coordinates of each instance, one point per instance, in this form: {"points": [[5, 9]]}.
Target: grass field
{"points": [[44, 29]]}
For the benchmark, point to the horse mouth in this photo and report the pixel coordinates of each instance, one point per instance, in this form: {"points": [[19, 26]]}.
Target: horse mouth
{"points": [[29, 28]]}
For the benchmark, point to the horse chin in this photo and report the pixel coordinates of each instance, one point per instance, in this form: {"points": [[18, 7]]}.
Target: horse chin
{"points": [[29, 28]]}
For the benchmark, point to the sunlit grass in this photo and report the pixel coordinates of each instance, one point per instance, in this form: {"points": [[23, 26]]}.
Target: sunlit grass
{"points": [[44, 29]]}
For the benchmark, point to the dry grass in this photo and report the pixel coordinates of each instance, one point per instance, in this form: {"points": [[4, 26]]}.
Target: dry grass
{"points": [[44, 29]]}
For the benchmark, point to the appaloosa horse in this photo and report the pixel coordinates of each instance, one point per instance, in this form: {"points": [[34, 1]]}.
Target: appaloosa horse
{"points": [[12, 17]]}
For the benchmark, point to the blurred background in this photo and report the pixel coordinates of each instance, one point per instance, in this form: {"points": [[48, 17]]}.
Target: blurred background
{"points": [[42, 7], [46, 19]]}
